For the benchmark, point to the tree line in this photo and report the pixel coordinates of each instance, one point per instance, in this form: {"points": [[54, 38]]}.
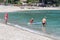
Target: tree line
{"points": [[56, 2]]}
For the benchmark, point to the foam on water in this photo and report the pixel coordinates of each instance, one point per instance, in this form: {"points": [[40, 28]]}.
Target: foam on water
{"points": [[36, 32], [35, 23]]}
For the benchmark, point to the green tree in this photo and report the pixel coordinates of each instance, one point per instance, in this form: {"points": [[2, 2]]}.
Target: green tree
{"points": [[19, 3]]}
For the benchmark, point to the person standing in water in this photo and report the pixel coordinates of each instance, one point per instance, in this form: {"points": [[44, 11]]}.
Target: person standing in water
{"points": [[44, 24], [6, 18], [31, 20]]}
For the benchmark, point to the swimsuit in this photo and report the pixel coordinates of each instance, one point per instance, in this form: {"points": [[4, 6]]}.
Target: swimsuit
{"points": [[43, 23]]}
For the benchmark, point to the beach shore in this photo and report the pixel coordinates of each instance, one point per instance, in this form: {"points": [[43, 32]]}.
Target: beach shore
{"points": [[8, 32], [24, 8]]}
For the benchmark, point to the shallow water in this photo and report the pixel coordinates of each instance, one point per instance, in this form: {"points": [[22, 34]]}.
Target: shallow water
{"points": [[22, 19]]}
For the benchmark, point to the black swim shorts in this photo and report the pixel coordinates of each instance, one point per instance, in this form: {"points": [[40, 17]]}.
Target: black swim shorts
{"points": [[43, 23]]}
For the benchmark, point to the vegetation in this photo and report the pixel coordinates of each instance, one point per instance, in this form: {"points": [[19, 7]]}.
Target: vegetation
{"points": [[56, 2], [1, 1], [32, 1]]}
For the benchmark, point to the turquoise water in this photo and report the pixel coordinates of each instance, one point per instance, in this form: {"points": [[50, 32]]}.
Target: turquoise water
{"points": [[22, 19]]}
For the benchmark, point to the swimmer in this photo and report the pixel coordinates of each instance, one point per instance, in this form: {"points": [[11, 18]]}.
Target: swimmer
{"points": [[31, 20]]}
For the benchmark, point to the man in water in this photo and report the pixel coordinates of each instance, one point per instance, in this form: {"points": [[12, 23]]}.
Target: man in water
{"points": [[6, 18], [31, 20], [43, 24]]}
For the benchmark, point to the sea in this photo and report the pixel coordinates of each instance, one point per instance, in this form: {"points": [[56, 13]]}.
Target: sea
{"points": [[22, 19]]}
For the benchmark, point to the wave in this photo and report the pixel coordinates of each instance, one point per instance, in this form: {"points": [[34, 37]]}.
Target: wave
{"points": [[35, 32]]}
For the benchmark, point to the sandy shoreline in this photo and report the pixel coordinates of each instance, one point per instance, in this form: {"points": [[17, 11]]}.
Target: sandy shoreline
{"points": [[15, 8], [8, 32]]}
